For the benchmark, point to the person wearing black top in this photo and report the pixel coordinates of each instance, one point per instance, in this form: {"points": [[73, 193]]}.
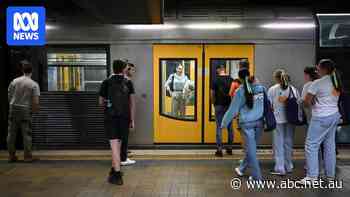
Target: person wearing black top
{"points": [[115, 95], [221, 99]]}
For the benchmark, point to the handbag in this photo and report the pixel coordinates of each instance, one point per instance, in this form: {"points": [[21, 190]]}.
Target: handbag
{"points": [[293, 110], [269, 116]]}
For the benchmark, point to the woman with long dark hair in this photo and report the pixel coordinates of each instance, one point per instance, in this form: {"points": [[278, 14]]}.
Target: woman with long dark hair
{"points": [[322, 96], [248, 102]]}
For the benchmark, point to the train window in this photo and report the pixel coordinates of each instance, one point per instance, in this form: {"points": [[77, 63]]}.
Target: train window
{"points": [[178, 81], [334, 30], [232, 67], [76, 71]]}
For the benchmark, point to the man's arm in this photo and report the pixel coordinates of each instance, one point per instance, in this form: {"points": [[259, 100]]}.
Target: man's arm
{"points": [[35, 99], [167, 83], [10, 92], [101, 101], [35, 104], [132, 110], [212, 96]]}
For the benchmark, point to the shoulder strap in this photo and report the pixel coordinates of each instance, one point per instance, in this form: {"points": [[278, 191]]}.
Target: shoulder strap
{"points": [[291, 92]]}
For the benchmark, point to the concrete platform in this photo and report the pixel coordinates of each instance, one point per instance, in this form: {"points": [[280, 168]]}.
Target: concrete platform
{"points": [[156, 173]]}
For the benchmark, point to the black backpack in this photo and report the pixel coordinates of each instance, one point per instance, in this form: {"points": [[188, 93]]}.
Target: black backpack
{"points": [[224, 91], [171, 86], [269, 116], [118, 95]]}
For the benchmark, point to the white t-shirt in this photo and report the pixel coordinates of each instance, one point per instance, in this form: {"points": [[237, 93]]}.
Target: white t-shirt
{"points": [[305, 89], [279, 108], [326, 103]]}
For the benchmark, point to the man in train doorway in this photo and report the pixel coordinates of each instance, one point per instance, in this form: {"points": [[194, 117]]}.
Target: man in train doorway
{"points": [[130, 71], [221, 99], [175, 85], [23, 97]]}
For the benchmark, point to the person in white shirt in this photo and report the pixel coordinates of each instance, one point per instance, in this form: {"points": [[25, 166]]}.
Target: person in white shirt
{"points": [[284, 133], [322, 96], [176, 86], [310, 75]]}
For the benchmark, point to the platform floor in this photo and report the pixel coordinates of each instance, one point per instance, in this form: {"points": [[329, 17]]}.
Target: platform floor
{"points": [[167, 176]]}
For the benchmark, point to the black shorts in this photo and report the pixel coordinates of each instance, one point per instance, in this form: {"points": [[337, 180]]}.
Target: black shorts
{"points": [[116, 127]]}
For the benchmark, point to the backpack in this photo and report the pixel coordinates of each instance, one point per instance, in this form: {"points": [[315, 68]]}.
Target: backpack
{"points": [[118, 96], [171, 86], [269, 116], [293, 110], [344, 107], [224, 91]]}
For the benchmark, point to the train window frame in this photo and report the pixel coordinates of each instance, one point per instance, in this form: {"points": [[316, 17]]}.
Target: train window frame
{"points": [[161, 89], [213, 119], [76, 49]]}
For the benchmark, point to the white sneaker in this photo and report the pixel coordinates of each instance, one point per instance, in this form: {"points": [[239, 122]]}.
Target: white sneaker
{"points": [[238, 172], [127, 162], [306, 181]]}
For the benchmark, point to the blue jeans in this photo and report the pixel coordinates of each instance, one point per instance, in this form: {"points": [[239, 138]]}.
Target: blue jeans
{"points": [[283, 147], [251, 132], [321, 130], [219, 114]]}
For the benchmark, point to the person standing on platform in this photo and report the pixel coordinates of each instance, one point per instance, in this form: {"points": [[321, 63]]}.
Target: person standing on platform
{"points": [[124, 148], [23, 97], [115, 95], [322, 96], [284, 134]]}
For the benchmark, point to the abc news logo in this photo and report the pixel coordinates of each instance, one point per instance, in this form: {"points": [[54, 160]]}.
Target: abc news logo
{"points": [[29, 29], [25, 26]]}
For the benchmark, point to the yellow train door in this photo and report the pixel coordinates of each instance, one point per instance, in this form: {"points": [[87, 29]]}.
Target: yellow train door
{"points": [[177, 113], [228, 56], [185, 113]]}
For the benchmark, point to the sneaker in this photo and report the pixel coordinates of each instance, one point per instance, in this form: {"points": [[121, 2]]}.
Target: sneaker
{"points": [[229, 151], [115, 177], [239, 172], [127, 162], [250, 178], [112, 170], [306, 181], [273, 172], [218, 153]]}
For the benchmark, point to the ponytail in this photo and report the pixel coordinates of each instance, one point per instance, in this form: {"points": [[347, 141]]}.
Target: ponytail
{"points": [[336, 81], [244, 75], [284, 80], [282, 77], [329, 65]]}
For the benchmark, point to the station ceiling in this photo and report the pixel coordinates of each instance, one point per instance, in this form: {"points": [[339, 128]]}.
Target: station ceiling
{"points": [[155, 11]]}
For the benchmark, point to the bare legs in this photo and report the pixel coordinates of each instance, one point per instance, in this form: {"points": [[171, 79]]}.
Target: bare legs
{"points": [[115, 147]]}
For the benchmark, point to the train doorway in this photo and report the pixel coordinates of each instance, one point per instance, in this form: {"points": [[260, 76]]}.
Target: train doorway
{"points": [[187, 114]]}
